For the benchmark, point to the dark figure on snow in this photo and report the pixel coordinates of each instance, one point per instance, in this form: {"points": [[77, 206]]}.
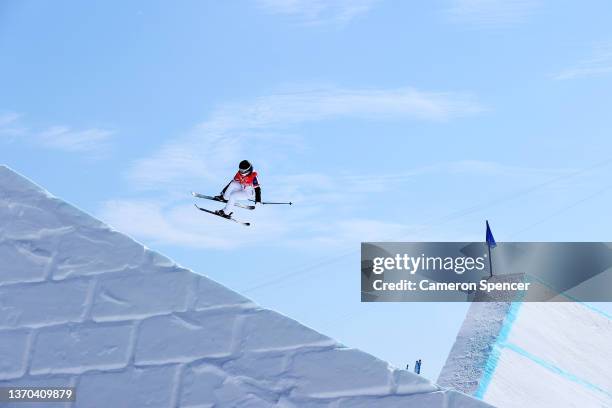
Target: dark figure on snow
{"points": [[417, 366]]}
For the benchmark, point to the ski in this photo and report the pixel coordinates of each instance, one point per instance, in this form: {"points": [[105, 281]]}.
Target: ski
{"points": [[227, 218], [207, 197]]}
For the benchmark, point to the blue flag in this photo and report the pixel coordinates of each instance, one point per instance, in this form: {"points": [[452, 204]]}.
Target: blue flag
{"points": [[490, 240]]}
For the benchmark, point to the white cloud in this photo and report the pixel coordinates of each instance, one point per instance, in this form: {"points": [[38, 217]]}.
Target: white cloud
{"points": [[599, 63], [252, 127], [8, 118], [158, 223], [67, 139], [491, 13], [64, 138], [319, 11], [354, 230], [318, 189], [179, 223], [295, 107], [9, 125]]}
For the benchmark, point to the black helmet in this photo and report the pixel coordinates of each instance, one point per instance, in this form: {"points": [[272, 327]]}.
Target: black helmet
{"points": [[245, 167]]}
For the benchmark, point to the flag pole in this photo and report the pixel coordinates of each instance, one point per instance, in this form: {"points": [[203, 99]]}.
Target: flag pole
{"points": [[490, 243], [490, 263]]}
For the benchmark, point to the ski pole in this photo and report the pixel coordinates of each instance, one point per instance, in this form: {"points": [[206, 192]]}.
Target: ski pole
{"points": [[273, 202]]}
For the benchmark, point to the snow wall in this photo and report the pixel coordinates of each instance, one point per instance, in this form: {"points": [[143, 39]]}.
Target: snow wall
{"points": [[82, 305], [522, 354]]}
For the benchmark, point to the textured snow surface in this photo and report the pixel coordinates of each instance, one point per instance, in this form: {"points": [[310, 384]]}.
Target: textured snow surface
{"points": [[83, 305], [533, 355]]}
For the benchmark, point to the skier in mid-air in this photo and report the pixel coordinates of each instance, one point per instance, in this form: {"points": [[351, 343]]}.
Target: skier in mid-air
{"points": [[244, 186]]}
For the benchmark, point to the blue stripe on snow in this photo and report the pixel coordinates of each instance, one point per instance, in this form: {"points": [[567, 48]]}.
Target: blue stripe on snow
{"points": [[555, 369], [500, 344], [593, 308], [492, 361], [572, 298]]}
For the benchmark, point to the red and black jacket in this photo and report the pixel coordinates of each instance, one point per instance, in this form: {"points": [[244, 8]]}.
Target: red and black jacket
{"points": [[246, 181]]}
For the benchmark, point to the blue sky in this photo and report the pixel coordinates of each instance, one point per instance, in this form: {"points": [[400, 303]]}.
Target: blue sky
{"points": [[380, 119]]}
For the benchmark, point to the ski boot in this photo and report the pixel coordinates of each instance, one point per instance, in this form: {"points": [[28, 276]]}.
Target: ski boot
{"points": [[223, 214]]}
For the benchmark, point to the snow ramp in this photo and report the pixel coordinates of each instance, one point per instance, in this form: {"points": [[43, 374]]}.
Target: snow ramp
{"points": [[85, 306], [522, 354]]}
